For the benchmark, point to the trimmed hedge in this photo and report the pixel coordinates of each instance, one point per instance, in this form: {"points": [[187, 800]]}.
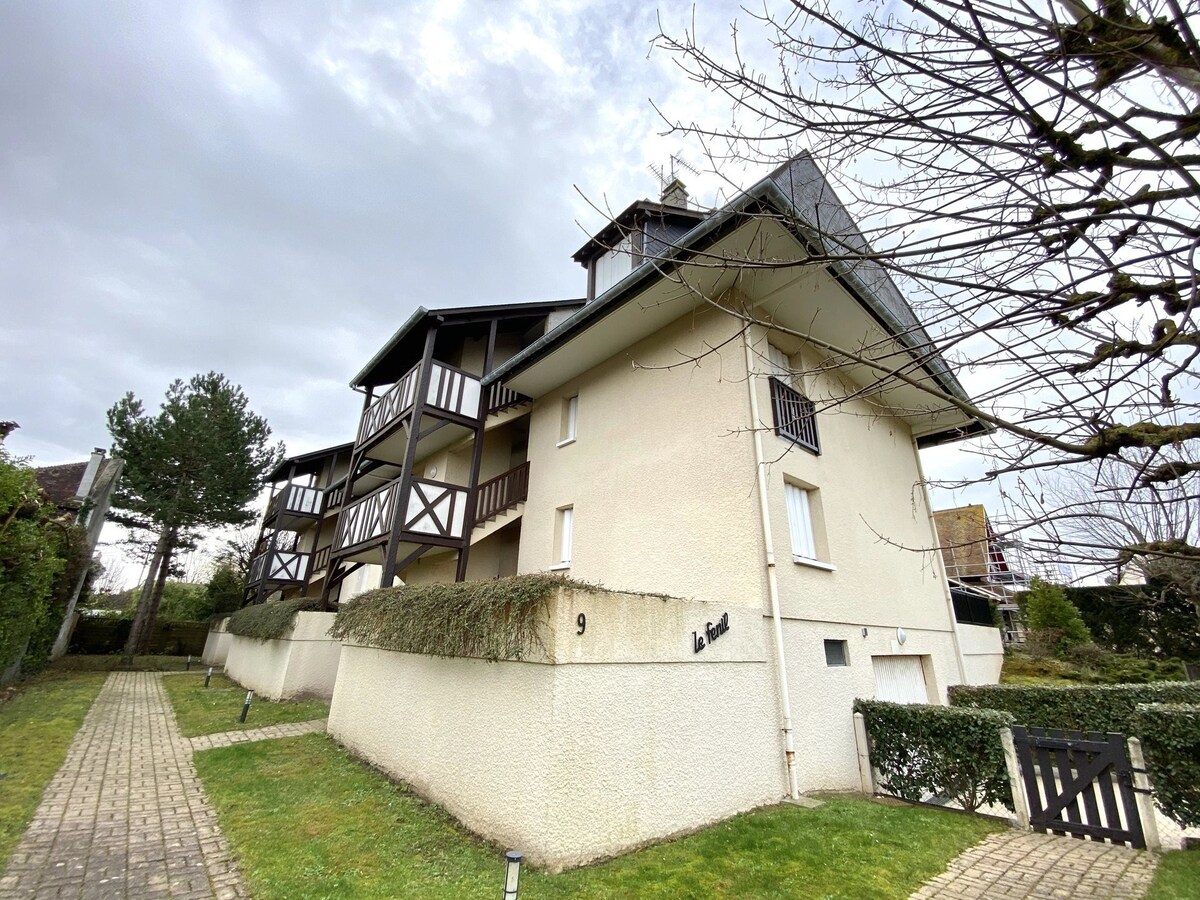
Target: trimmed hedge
{"points": [[269, 621], [1170, 736], [492, 620], [954, 753], [1101, 707]]}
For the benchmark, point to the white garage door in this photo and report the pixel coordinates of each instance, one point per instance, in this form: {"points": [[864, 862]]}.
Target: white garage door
{"points": [[900, 679]]}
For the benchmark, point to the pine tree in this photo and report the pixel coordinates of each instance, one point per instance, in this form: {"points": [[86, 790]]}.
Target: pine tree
{"points": [[196, 464]]}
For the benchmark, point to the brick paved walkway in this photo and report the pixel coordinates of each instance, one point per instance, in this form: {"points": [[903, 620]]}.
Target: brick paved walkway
{"points": [[126, 815], [229, 738], [1014, 865]]}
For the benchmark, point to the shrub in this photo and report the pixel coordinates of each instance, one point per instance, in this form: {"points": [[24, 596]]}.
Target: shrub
{"points": [[1053, 618], [1170, 736], [1106, 707], [269, 621], [950, 752], [492, 620]]}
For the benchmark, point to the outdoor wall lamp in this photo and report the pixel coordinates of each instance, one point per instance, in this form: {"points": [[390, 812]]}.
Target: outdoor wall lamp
{"points": [[512, 873]]}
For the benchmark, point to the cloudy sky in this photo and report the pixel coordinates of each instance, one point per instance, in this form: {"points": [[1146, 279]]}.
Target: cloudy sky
{"points": [[268, 189]]}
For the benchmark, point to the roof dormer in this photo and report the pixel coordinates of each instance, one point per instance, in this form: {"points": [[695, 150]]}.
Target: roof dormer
{"points": [[644, 231]]}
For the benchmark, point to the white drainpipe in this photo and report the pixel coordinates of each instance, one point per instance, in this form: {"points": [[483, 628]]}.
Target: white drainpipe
{"points": [[939, 565], [789, 746]]}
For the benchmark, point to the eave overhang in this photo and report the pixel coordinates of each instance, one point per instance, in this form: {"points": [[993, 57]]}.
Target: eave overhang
{"points": [[306, 463], [405, 344], [614, 321]]}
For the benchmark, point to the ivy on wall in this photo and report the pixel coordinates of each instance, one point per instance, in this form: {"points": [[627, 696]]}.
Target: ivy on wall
{"points": [[269, 621], [491, 620]]}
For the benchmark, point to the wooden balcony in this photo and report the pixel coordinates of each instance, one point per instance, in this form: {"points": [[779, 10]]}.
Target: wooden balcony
{"points": [[321, 558], [335, 495], [501, 398], [436, 513], [795, 416], [501, 493], [286, 567], [295, 504], [451, 390]]}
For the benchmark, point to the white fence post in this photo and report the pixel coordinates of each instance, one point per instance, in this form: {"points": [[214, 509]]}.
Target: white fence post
{"points": [[1020, 801], [1145, 803], [866, 775]]}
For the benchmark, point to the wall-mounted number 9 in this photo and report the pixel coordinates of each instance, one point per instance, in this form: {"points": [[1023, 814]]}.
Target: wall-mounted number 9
{"points": [[581, 621]]}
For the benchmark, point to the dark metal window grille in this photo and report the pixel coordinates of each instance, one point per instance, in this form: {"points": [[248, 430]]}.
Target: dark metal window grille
{"points": [[795, 416]]}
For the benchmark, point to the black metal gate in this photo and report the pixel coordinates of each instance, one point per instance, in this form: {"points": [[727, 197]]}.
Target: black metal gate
{"points": [[1073, 780]]}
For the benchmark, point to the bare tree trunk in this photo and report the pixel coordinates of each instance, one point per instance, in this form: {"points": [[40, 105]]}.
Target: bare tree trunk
{"points": [[139, 616], [152, 608]]}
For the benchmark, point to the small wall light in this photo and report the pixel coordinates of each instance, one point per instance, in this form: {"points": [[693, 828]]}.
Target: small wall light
{"points": [[864, 632], [512, 873], [901, 636]]}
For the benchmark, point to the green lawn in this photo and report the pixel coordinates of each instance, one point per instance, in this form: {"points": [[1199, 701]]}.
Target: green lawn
{"points": [[36, 728], [1178, 877], [202, 710], [305, 819]]}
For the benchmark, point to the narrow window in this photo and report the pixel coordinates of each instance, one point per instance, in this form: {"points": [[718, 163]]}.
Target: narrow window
{"points": [[799, 509], [566, 520], [835, 653], [570, 421], [778, 363]]}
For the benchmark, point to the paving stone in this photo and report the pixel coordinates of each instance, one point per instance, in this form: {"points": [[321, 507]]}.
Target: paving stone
{"points": [[126, 816], [1023, 865]]}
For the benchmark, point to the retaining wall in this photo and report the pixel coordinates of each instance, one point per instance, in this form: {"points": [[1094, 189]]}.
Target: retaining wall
{"points": [[303, 663], [602, 741]]}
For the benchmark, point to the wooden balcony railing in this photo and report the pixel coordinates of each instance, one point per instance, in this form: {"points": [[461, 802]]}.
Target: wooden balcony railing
{"points": [[795, 416], [321, 558], [502, 492], [335, 495], [368, 517], [286, 566], [501, 398], [450, 389], [297, 500]]}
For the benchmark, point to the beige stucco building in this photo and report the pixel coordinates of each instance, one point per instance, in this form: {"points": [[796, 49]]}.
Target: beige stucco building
{"points": [[719, 421]]}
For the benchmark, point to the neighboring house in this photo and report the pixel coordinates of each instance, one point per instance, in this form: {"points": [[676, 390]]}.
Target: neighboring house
{"points": [[81, 491], [982, 577], [646, 438]]}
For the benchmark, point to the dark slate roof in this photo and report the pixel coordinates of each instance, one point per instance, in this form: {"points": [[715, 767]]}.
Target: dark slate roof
{"points": [[60, 483]]}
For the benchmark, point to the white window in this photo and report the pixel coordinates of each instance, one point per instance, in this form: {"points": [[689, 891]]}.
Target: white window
{"points": [[836, 653], [778, 363], [799, 509], [568, 428], [614, 265], [566, 521]]}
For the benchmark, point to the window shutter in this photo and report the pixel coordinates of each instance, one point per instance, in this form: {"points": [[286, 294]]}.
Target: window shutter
{"points": [[800, 522]]}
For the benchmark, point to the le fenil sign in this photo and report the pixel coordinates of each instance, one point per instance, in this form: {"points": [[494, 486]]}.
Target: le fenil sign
{"points": [[712, 631]]}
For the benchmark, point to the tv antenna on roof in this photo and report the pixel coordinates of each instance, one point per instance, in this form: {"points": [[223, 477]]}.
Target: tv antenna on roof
{"points": [[667, 175]]}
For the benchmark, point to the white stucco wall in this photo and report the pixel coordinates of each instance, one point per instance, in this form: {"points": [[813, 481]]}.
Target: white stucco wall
{"points": [[983, 653], [609, 739], [216, 645], [660, 477], [302, 664]]}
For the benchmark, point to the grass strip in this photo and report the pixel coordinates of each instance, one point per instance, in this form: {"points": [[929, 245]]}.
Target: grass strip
{"points": [[1177, 877], [36, 727], [209, 710], [305, 819]]}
